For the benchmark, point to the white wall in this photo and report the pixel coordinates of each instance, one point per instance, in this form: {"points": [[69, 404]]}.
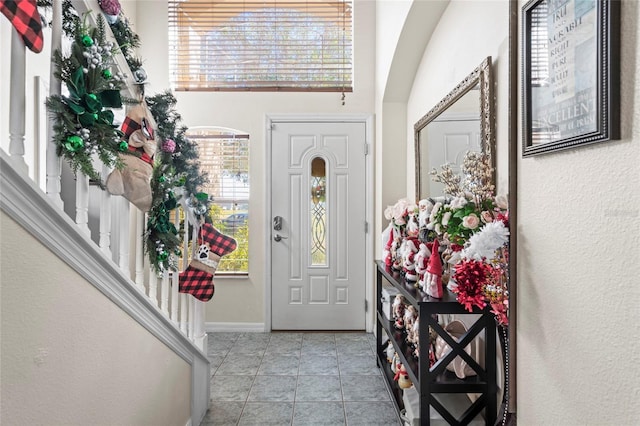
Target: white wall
{"points": [[578, 269], [450, 56], [70, 355], [241, 300]]}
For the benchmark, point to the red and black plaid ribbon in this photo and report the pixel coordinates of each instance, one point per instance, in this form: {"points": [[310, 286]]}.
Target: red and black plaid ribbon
{"points": [[129, 126], [219, 243], [197, 283], [25, 18]]}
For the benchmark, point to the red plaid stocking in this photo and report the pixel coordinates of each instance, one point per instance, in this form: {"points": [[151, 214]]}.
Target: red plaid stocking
{"points": [[25, 18], [197, 279]]}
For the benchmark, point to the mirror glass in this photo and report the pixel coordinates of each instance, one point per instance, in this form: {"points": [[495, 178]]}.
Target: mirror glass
{"points": [[462, 121]]}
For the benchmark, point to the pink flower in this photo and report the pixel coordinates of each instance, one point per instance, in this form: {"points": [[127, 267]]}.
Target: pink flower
{"points": [[487, 217], [471, 221], [169, 146], [110, 7]]}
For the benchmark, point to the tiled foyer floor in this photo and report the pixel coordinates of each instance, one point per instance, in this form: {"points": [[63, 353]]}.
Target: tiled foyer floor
{"points": [[296, 379]]}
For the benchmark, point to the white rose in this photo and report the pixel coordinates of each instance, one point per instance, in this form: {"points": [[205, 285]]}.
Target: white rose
{"points": [[445, 218], [434, 211]]}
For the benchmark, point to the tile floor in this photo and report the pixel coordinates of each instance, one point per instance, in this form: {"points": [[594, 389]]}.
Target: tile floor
{"points": [[296, 379]]}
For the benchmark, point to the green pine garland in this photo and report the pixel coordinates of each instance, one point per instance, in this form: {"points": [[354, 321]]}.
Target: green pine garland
{"points": [[176, 167], [83, 125], [83, 120]]}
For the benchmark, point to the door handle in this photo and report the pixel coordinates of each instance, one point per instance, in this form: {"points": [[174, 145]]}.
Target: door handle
{"points": [[277, 223], [279, 237]]}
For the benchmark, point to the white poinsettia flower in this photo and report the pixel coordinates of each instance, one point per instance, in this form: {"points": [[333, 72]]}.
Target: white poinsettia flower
{"points": [[483, 244]]}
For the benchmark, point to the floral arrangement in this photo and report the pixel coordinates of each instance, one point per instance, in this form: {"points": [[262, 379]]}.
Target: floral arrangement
{"points": [[175, 172], [83, 120], [474, 224], [470, 223]]}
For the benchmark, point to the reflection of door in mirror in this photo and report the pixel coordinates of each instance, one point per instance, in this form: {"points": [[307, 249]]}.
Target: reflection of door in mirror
{"points": [[462, 121], [448, 138]]}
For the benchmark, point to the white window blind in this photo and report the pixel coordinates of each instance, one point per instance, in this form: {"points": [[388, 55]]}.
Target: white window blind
{"points": [[264, 45], [539, 46], [224, 157]]}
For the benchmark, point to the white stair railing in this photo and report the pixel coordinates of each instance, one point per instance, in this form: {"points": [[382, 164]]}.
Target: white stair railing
{"points": [[115, 230]]}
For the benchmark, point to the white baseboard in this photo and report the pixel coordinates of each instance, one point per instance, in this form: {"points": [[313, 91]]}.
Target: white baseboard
{"points": [[235, 327]]}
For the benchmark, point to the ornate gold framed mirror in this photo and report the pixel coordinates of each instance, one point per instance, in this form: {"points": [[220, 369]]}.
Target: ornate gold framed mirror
{"points": [[463, 120]]}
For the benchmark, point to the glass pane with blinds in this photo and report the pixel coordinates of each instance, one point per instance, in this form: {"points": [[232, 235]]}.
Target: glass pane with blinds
{"points": [[261, 45], [318, 212], [539, 46], [224, 157]]}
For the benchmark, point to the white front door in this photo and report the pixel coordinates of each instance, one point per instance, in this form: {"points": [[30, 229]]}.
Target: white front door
{"points": [[318, 226]]}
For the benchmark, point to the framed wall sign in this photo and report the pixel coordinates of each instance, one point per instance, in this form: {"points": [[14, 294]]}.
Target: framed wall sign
{"points": [[571, 73]]}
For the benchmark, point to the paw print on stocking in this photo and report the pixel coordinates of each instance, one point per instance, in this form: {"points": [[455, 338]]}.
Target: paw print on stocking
{"points": [[197, 279]]}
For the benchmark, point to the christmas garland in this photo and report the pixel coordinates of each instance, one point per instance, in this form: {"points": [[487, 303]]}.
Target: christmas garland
{"points": [[176, 167], [83, 120], [83, 125]]}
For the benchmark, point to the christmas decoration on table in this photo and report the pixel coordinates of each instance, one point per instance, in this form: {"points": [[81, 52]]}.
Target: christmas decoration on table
{"points": [[474, 226], [402, 377], [410, 316], [25, 18], [197, 278], [403, 223], [433, 276], [176, 175], [83, 120], [422, 261], [409, 250], [398, 308], [133, 180]]}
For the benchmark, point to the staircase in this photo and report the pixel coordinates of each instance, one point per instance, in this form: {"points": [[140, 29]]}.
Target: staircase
{"points": [[132, 352]]}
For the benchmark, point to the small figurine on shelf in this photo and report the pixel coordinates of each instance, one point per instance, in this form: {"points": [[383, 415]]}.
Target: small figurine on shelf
{"points": [[424, 210], [395, 361], [433, 277], [390, 351], [416, 337], [422, 261], [398, 311], [412, 228], [396, 254], [408, 260], [402, 377], [410, 315]]}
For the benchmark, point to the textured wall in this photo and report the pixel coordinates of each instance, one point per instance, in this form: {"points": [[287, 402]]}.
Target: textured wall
{"points": [[69, 356], [579, 269]]}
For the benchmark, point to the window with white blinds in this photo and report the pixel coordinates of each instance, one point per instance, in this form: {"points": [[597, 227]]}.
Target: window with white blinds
{"points": [[266, 45], [224, 157]]}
